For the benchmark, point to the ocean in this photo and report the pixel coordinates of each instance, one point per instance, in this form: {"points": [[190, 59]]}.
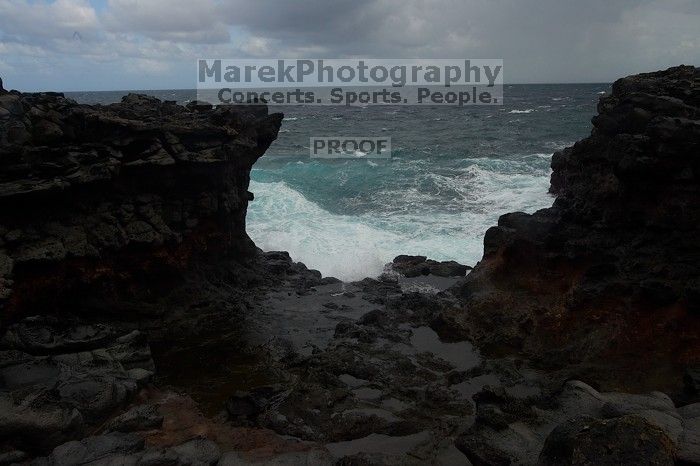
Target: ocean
{"points": [[452, 173]]}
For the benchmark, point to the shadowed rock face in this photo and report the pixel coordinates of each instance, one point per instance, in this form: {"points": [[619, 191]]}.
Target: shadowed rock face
{"points": [[612, 269], [98, 200]]}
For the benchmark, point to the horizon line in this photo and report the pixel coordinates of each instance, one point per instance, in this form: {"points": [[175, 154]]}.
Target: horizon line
{"points": [[194, 89]]}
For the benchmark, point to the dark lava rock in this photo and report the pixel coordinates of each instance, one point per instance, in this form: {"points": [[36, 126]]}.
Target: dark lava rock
{"points": [[248, 405], [480, 453], [129, 449], [115, 448], [585, 441], [55, 383], [197, 451], [302, 458], [415, 266], [244, 405], [139, 418], [692, 297], [199, 106], [376, 318], [330, 281], [449, 269], [102, 202], [411, 266], [45, 335], [613, 262], [691, 378], [12, 457], [577, 420]]}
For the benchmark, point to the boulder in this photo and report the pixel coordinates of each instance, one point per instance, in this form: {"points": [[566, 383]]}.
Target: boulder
{"points": [[113, 448], [198, 451], [579, 419], [138, 418], [585, 441], [415, 266]]}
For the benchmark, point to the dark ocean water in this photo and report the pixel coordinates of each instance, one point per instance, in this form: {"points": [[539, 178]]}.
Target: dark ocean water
{"points": [[453, 172]]}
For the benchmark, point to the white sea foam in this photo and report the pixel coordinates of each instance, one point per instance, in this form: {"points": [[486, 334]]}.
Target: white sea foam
{"points": [[542, 155], [352, 247], [281, 218], [558, 145], [529, 110]]}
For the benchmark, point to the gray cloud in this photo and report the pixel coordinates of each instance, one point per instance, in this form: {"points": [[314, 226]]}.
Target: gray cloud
{"points": [[167, 20], [540, 40], [38, 22]]}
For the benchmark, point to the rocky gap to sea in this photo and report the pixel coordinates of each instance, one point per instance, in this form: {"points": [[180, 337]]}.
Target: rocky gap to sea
{"points": [[142, 325]]}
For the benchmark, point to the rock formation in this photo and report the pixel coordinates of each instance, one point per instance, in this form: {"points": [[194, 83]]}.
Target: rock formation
{"points": [[107, 211], [133, 300], [610, 272], [103, 202]]}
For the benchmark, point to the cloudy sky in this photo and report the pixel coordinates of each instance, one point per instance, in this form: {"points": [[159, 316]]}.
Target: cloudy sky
{"points": [[153, 44]]}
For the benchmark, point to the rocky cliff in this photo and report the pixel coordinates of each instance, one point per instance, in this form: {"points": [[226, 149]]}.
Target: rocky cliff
{"points": [[118, 224], [101, 204], [611, 272]]}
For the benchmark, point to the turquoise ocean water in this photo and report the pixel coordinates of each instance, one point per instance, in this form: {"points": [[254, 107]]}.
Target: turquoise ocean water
{"points": [[453, 172]]}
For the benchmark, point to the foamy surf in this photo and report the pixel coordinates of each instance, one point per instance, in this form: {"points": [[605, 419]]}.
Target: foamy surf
{"points": [[281, 218], [452, 172], [352, 247]]}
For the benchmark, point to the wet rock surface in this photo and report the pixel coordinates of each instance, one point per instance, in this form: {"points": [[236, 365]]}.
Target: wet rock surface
{"points": [[140, 418], [579, 425], [624, 440], [57, 384], [416, 266]]}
